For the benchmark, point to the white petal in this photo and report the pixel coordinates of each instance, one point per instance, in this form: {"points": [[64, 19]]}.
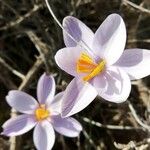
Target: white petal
{"points": [[77, 96], [56, 103], [109, 40], [116, 85], [67, 126], [44, 136], [135, 62], [78, 30], [18, 125], [21, 101], [46, 89], [67, 58]]}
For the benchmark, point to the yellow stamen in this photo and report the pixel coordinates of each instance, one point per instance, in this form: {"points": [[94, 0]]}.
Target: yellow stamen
{"points": [[85, 64], [86, 57], [42, 113], [96, 71]]}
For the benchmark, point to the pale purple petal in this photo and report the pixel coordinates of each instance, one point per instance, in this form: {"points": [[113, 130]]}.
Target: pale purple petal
{"points": [[114, 85], [21, 101], [135, 62], [18, 125], [77, 96], [67, 58], [44, 136], [46, 89], [55, 105], [66, 126], [78, 30], [109, 40]]}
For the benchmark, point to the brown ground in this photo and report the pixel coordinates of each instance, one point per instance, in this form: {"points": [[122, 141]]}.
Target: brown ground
{"points": [[26, 27]]}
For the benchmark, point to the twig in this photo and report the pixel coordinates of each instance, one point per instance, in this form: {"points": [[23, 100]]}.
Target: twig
{"points": [[110, 127], [64, 145], [128, 146], [10, 7], [21, 18], [8, 67], [142, 145], [31, 73], [140, 8], [89, 139], [137, 118], [78, 3], [144, 95], [135, 41], [42, 48], [78, 143]]}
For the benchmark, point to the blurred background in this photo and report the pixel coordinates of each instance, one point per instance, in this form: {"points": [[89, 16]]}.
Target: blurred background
{"points": [[28, 33]]}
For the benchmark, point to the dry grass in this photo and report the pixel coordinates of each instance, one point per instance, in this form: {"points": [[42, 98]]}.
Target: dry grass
{"points": [[28, 34]]}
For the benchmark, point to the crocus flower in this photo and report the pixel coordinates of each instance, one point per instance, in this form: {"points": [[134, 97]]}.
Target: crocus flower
{"points": [[44, 115], [99, 63]]}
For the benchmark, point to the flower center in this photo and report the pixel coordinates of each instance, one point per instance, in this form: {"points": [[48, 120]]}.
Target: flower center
{"points": [[42, 113], [85, 64]]}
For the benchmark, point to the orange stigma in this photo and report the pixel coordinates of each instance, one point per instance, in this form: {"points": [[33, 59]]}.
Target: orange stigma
{"points": [[42, 113], [85, 64]]}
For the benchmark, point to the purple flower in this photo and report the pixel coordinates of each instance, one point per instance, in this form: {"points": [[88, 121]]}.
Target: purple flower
{"points": [[44, 115], [99, 63]]}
